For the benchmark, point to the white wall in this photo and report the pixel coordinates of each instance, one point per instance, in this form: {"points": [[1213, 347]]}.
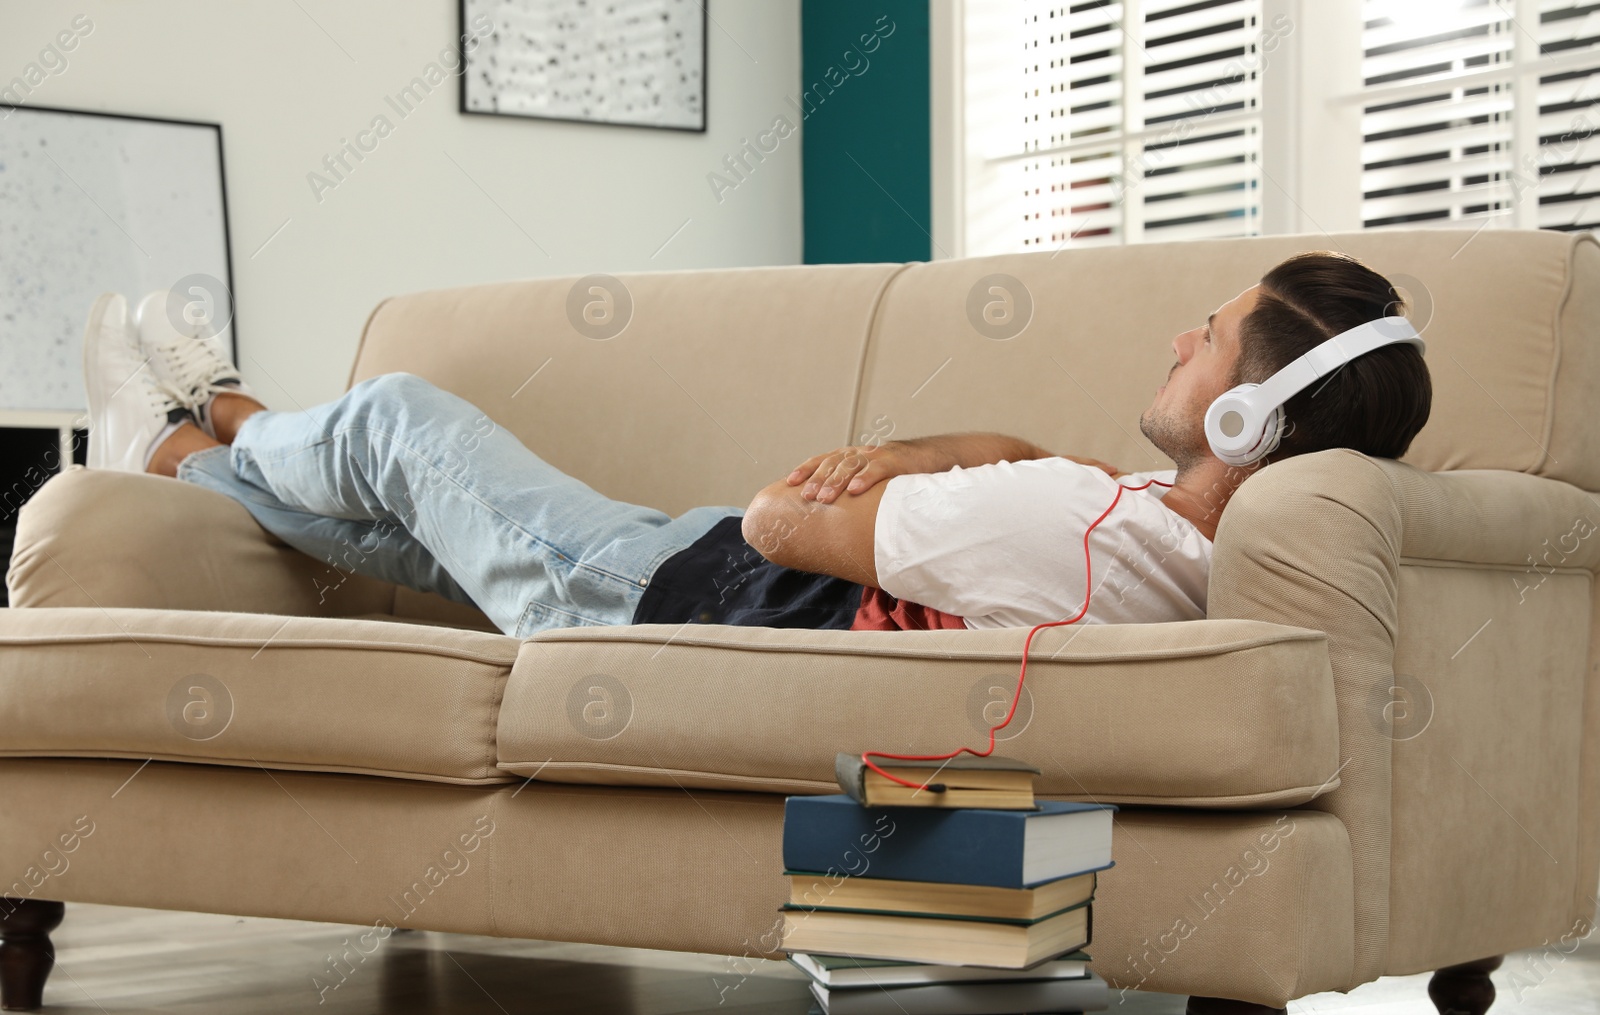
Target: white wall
{"points": [[290, 81]]}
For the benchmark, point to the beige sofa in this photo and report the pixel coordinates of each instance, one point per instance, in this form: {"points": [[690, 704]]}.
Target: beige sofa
{"points": [[245, 730]]}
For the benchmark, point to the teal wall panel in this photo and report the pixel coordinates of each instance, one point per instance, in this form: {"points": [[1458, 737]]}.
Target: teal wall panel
{"points": [[864, 131]]}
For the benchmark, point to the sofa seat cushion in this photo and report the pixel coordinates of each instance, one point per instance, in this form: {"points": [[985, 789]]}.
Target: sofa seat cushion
{"points": [[316, 694], [1210, 713]]}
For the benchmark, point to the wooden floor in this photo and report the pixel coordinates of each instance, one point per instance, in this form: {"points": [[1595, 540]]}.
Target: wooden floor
{"points": [[135, 960]]}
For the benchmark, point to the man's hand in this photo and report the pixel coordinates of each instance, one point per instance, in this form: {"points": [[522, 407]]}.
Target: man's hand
{"points": [[854, 469]]}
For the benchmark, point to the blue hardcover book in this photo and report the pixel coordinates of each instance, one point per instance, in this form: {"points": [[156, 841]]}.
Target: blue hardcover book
{"points": [[969, 846]]}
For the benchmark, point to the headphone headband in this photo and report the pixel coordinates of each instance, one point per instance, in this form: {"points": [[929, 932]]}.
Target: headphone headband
{"points": [[1244, 423], [1324, 359]]}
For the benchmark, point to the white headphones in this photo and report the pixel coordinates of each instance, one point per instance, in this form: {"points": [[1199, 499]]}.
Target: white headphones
{"points": [[1245, 423]]}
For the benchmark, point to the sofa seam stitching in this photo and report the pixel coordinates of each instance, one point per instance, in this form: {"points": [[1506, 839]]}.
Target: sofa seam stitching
{"points": [[492, 761], [274, 765], [1555, 357], [406, 648], [873, 317], [1388, 785], [1231, 799], [1158, 655]]}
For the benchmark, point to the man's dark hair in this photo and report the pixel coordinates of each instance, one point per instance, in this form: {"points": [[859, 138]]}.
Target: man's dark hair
{"points": [[1376, 403]]}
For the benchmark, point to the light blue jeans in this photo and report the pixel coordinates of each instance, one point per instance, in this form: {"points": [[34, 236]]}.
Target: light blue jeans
{"points": [[402, 481]]}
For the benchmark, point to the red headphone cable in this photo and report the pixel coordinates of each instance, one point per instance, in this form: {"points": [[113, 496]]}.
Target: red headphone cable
{"points": [[1088, 585]]}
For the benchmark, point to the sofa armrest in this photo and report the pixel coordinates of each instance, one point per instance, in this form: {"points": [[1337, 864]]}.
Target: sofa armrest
{"points": [[94, 537], [1340, 542], [1201, 713]]}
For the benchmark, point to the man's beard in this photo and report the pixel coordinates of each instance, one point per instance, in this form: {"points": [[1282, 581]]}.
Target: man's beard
{"points": [[1179, 432]]}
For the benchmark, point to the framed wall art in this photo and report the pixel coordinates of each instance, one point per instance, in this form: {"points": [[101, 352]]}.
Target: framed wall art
{"points": [[96, 202], [637, 63]]}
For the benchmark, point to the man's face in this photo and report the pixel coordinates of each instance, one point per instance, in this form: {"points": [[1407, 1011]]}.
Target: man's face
{"points": [[1176, 420]]}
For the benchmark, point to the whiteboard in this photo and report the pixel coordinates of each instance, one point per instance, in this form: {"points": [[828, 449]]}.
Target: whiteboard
{"points": [[632, 62], [91, 203]]}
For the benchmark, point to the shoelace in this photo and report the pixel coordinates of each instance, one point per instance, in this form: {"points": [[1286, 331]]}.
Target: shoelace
{"points": [[192, 365], [157, 395]]}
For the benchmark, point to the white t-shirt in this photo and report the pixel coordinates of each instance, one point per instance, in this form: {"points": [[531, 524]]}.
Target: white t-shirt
{"points": [[1002, 546]]}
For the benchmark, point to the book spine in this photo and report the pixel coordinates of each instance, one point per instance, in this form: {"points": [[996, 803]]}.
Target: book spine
{"points": [[904, 843]]}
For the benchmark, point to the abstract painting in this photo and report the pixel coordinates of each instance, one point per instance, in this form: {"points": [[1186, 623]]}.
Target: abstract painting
{"points": [[91, 203], [631, 62]]}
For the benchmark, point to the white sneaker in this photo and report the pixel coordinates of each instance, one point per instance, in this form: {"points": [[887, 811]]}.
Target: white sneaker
{"points": [[191, 364], [130, 409]]}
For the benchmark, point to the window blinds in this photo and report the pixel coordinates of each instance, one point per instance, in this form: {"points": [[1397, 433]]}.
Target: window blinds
{"points": [[1139, 120], [1483, 111]]}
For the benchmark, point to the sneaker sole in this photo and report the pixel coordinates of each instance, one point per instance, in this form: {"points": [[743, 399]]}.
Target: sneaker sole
{"points": [[92, 388], [96, 392]]}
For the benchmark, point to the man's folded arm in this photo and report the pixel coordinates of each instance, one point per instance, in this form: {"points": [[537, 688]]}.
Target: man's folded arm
{"points": [[943, 452], [833, 539], [832, 530], [825, 477]]}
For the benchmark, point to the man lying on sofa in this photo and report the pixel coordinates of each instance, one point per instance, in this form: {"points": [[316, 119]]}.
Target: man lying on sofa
{"points": [[402, 481]]}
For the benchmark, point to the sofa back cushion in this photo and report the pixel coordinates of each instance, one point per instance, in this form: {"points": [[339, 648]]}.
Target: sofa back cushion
{"points": [[1511, 320], [722, 380], [719, 382]]}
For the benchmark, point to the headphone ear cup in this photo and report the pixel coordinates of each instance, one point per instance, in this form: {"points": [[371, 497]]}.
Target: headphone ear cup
{"points": [[1251, 442], [1270, 437], [1232, 412]]}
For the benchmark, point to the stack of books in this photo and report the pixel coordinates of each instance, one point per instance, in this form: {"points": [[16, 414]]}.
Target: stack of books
{"points": [[977, 899]]}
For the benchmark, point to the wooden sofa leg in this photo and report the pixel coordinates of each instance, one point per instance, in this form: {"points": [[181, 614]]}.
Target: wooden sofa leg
{"points": [[1228, 1006], [26, 955], [1465, 989]]}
